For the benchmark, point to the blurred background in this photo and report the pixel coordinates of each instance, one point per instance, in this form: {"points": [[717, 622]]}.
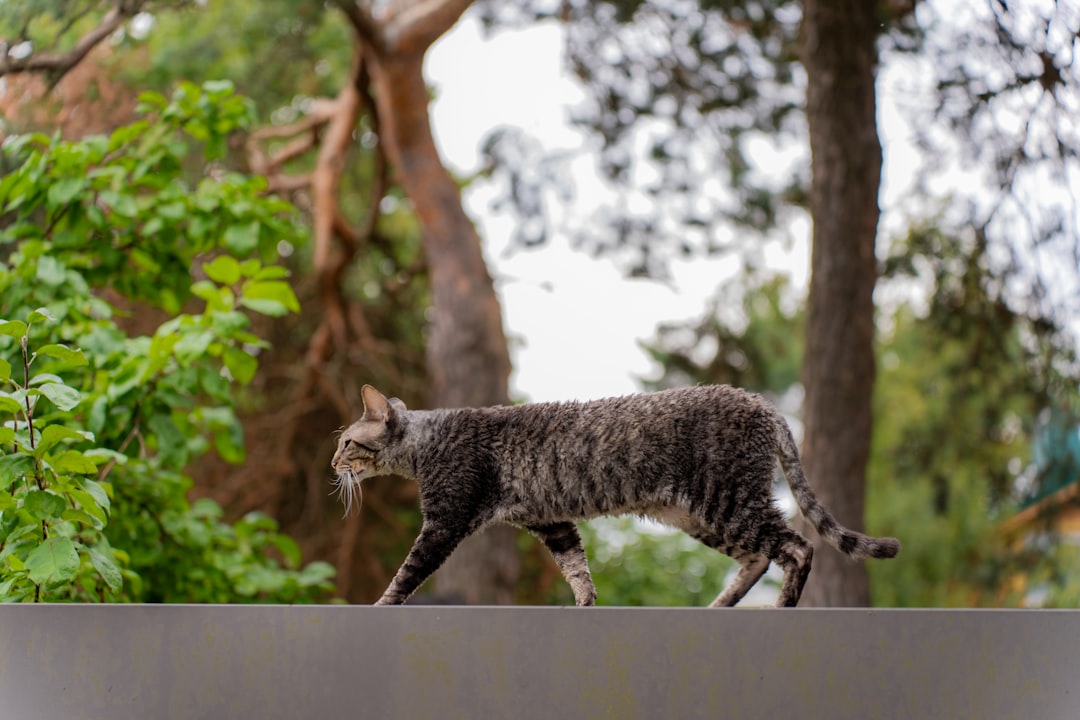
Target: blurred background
{"points": [[221, 219]]}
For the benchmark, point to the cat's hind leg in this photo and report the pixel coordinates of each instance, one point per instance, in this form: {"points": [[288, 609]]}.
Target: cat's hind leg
{"points": [[794, 553], [751, 567], [770, 538], [563, 541]]}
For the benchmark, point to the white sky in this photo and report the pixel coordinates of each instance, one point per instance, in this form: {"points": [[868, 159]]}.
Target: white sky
{"points": [[574, 322]]}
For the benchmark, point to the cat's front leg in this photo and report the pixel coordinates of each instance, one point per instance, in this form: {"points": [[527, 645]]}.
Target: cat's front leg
{"points": [[429, 551]]}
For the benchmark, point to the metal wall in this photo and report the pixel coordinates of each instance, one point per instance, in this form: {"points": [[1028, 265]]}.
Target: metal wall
{"points": [[143, 662]]}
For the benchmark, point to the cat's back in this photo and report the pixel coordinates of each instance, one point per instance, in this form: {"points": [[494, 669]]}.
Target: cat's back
{"points": [[622, 454], [664, 416]]}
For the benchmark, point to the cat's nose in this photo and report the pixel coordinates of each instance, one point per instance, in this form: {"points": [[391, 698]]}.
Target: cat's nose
{"points": [[334, 462]]}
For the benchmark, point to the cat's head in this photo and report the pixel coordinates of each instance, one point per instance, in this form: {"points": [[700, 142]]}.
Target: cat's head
{"points": [[360, 446]]}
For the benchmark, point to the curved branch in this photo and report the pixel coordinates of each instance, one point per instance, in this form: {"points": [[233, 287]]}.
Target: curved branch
{"points": [[56, 65], [418, 26], [364, 22], [406, 30]]}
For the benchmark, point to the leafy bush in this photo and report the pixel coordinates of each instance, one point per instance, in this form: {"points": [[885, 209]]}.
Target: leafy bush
{"points": [[659, 566], [100, 421]]}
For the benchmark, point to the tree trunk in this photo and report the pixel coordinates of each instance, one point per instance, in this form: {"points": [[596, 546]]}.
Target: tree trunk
{"points": [[467, 357], [839, 54]]}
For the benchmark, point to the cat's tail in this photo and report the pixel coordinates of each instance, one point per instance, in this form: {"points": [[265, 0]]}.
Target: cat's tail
{"points": [[849, 542]]}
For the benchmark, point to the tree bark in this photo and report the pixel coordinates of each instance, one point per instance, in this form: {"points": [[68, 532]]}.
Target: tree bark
{"points": [[839, 54], [467, 357]]}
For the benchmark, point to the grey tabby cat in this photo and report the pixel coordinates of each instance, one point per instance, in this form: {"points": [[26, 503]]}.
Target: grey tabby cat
{"points": [[701, 459]]}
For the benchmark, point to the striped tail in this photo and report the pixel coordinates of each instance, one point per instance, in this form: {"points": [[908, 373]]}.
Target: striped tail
{"points": [[849, 542]]}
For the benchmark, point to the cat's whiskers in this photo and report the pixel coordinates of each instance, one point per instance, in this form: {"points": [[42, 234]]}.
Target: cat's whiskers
{"points": [[348, 488]]}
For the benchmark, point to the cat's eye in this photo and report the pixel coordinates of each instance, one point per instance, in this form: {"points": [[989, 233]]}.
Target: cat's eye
{"points": [[360, 446]]}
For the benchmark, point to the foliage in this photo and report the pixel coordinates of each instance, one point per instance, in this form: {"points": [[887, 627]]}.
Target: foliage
{"points": [[363, 295], [683, 101], [759, 347], [634, 566], [999, 146], [959, 394], [281, 53], [102, 233]]}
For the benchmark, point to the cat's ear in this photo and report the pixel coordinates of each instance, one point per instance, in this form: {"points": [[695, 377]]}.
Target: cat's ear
{"points": [[398, 404], [376, 406]]}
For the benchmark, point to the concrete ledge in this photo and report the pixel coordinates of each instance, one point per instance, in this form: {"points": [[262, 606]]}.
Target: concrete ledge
{"points": [[122, 662]]}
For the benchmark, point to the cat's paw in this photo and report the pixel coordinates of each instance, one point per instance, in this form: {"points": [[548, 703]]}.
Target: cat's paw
{"points": [[587, 600]]}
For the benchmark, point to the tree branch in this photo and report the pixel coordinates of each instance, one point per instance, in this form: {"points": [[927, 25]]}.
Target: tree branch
{"points": [[363, 21], [56, 65], [420, 25], [405, 30], [269, 164]]}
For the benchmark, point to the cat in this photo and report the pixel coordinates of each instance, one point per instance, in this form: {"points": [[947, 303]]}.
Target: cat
{"points": [[701, 459]]}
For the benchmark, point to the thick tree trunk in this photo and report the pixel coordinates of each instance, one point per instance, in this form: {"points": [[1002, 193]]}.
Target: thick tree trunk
{"points": [[467, 357], [839, 54]]}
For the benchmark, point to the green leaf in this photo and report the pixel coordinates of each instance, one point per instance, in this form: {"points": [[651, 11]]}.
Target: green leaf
{"points": [[206, 290], [41, 314], [62, 396], [272, 272], [64, 191], [218, 87], [103, 562], [8, 522], [97, 492], [229, 442], [122, 205], [171, 443], [241, 365], [14, 466], [71, 358], [272, 308], [51, 272], [152, 227], [150, 101], [251, 268], [316, 573], [43, 505], [242, 239], [98, 414], [5, 591], [53, 562], [100, 456], [7, 435], [72, 461], [223, 269], [10, 404], [288, 548], [5, 369], [12, 328], [53, 434], [276, 290], [174, 211], [231, 322], [192, 344], [87, 503]]}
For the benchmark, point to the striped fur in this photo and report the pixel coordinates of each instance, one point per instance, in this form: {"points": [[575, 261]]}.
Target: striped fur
{"points": [[700, 459]]}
